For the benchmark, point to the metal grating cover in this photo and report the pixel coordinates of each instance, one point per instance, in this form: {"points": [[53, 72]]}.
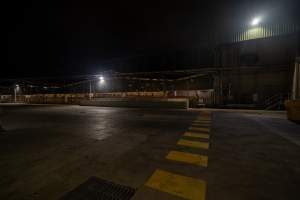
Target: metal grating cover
{"points": [[97, 189]]}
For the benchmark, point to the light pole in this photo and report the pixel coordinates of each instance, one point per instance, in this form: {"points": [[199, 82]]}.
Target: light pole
{"points": [[16, 89], [101, 82], [90, 95]]}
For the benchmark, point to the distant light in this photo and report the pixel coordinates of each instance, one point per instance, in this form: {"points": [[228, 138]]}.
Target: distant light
{"points": [[17, 88], [255, 21], [101, 80]]}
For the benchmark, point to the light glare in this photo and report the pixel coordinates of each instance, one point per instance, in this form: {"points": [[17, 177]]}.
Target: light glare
{"points": [[101, 80], [255, 21]]}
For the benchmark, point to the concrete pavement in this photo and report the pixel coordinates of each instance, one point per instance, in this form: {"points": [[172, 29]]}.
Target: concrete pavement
{"points": [[50, 150]]}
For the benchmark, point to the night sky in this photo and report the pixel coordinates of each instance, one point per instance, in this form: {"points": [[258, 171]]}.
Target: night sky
{"points": [[49, 38]]}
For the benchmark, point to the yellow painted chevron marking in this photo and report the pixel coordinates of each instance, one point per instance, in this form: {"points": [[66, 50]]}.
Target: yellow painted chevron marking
{"points": [[190, 158], [203, 129], [178, 185], [194, 144], [196, 135]]}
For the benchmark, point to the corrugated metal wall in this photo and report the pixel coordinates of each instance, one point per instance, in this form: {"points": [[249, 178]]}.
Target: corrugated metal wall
{"points": [[265, 31]]}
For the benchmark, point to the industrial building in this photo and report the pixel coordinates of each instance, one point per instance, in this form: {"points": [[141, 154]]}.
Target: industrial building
{"points": [[257, 66], [252, 68]]}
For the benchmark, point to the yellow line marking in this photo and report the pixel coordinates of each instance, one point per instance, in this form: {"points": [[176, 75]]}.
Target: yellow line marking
{"points": [[195, 144], [182, 186], [188, 158], [204, 129], [196, 135]]}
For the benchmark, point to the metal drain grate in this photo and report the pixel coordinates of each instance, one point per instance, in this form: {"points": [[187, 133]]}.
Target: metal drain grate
{"points": [[97, 189]]}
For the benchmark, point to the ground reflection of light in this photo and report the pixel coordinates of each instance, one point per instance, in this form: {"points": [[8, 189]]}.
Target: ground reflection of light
{"points": [[97, 129]]}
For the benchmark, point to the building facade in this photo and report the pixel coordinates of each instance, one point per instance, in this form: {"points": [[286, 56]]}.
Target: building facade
{"points": [[257, 65]]}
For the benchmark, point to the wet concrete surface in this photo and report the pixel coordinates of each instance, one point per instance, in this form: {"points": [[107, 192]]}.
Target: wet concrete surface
{"points": [[47, 151]]}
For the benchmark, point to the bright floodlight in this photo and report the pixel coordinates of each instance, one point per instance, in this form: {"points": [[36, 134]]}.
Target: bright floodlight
{"points": [[255, 21], [101, 79]]}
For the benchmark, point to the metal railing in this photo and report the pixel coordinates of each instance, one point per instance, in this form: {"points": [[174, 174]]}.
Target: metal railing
{"points": [[276, 101]]}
